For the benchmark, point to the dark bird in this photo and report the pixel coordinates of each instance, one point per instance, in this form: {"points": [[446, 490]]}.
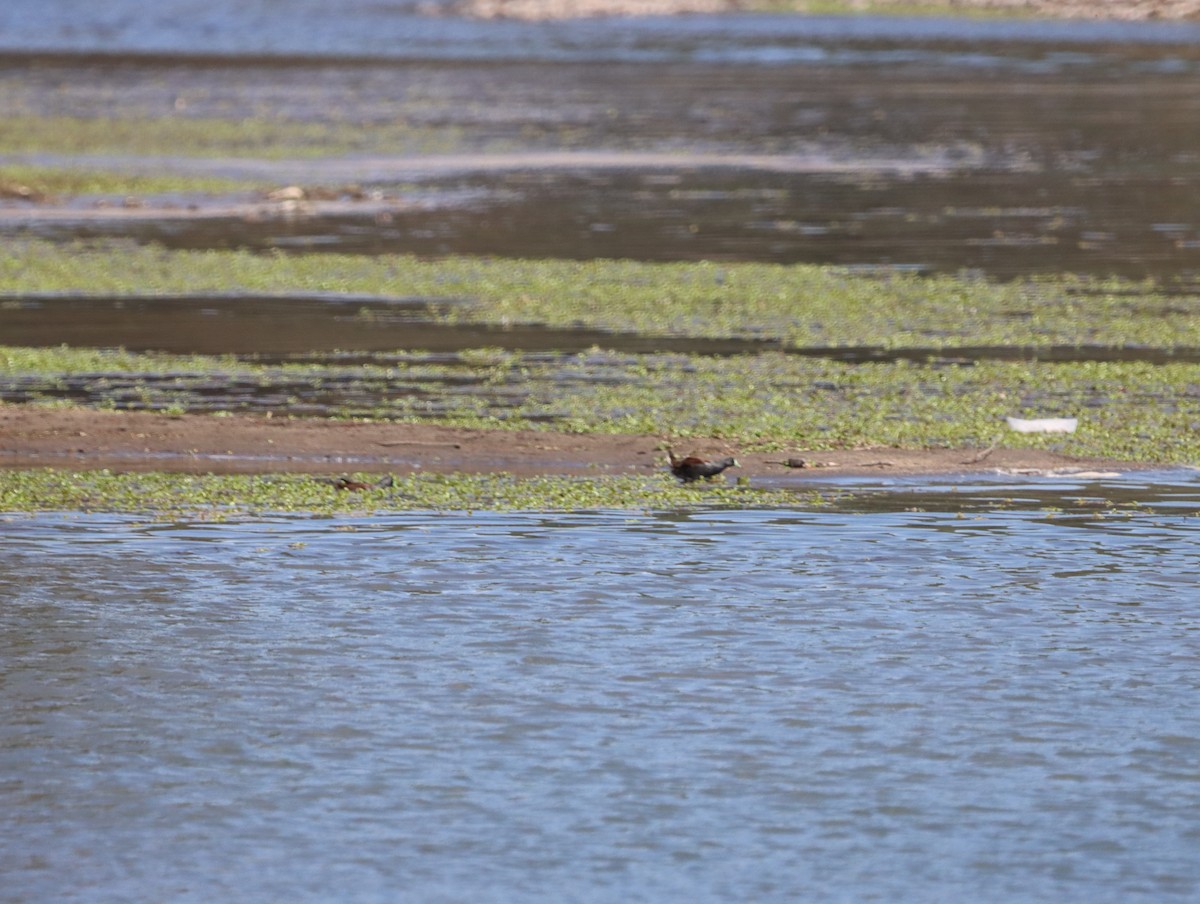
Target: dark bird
{"points": [[345, 483], [794, 463], [693, 468]]}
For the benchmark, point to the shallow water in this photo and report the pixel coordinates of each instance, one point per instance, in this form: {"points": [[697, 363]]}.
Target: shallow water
{"points": [[340, 29], [938, 145], [986, 703], [982, 692], [342, 328]]}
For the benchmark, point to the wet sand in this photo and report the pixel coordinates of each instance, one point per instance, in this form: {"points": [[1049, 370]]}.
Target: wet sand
{"points": [[135, 441]]}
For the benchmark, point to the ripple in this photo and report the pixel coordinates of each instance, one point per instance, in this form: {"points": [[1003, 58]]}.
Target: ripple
{"points": [[502, 707]]}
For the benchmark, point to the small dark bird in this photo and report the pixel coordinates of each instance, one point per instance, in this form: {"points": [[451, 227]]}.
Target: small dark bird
{"points": [[794, 463], [693, 468], [345, 483]]}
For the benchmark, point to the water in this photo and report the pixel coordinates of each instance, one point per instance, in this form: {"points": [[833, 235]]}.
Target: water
{"points": [[985, 702], [400, 30], [1006, 148], [926, 692]]}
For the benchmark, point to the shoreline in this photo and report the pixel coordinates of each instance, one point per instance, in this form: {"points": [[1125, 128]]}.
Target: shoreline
{"points": [[90, 440], [550, 10]]}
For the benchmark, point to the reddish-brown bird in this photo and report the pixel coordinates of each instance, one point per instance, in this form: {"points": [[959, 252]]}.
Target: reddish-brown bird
{"points": [[693, 468]]}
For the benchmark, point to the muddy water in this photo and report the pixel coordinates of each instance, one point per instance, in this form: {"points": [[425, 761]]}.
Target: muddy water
{"points": [[366, 347], [938, 145], [525, 371], [313, 328], [1001, 223], [332, 328], [718, 706]]}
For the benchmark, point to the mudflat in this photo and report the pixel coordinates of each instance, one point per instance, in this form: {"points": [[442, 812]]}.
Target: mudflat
{"points": [[138, 441]]}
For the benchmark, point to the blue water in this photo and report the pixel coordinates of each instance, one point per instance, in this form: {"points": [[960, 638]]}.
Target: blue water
{"points": [[926, 693], [399, 30], [959, 703]]}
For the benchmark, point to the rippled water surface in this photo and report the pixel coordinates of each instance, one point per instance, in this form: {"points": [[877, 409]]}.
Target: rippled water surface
{"points": [[907, 698], [981, 693]]}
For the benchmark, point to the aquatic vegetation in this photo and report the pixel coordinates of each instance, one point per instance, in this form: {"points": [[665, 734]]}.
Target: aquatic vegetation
{"points": [[220, 497], [48, 182], [65, 359], [1127, 410], [766, 401], [795, 305], [256, 136]]}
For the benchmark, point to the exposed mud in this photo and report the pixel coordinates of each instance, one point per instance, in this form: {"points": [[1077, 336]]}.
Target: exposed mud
{"points": [[34, 437]]}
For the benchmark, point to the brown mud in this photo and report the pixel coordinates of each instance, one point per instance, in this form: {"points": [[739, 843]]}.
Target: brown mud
{"points": [[140, 441]]}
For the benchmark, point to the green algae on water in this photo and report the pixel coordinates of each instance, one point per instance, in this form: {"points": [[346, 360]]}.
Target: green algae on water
{"points": [[181, 136], [42, 183], [1127, 410], [1133, 411], [797, 305], [221, 497]]}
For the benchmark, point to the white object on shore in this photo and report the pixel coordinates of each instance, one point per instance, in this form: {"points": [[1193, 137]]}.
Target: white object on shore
{"points": [[1043, 424]]}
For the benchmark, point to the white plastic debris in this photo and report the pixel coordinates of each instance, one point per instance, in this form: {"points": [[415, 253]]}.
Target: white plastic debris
{"points": [[1043, 424], [287, 193]]}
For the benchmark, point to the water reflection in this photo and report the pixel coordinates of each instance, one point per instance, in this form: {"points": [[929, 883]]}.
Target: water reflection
{"points": [[727, 705], [351, 329]]}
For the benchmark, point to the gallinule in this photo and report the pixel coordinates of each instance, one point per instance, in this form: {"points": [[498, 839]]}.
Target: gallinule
{"points": [[345, 483], [693, 468]]}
